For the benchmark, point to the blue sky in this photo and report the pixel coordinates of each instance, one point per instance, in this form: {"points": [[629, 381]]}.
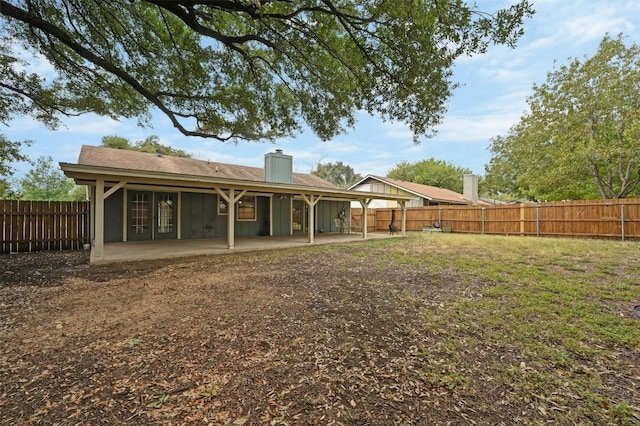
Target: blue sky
{"points": [[491, 100]]}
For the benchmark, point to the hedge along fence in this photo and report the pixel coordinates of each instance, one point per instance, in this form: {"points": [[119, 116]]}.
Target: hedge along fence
{"points": [[43, 225], [613, 219]]}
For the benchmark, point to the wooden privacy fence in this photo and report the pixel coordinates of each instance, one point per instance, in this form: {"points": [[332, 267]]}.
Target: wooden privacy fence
{"points": [[613, 219], [43, 225]]}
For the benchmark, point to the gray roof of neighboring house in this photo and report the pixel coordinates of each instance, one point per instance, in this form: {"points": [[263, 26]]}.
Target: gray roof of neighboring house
{"points": [[148, 162], [429, 192]]}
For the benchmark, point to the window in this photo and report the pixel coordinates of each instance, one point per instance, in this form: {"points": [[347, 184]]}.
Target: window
{"points": [[246, 209], [223, 206], [165, 214], [140, 213]]}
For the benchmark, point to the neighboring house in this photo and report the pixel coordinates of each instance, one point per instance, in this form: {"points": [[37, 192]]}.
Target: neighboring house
{"points": [[424, 195], [140, 196]]}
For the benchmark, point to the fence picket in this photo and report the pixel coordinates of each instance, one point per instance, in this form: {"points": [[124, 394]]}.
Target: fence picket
{"points": [[612, 219], [43, 225]]}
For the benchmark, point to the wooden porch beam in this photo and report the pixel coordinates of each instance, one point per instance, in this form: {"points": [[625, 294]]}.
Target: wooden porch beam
{"points": [[113, 189], [231, 200], [98, 248], [364, 202], [311, 201], [403, 206]]}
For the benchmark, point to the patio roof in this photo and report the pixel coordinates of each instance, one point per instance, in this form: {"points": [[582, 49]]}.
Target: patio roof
{"points": [[116, 165], [109, 170]]}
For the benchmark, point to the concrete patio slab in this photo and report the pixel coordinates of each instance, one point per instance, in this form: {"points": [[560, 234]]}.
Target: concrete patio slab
{"points": [[165, 249]]}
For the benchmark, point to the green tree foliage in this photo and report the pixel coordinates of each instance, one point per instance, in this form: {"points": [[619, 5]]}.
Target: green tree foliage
{"points": [[244, 69], [430, 172], [150, 144], [9, 153], [46, 182], [581, 137], [116, 142], [338, 173], [6, 190]]}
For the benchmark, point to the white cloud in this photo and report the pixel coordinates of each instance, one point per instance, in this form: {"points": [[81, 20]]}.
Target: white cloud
{"points": [[396, 130]]}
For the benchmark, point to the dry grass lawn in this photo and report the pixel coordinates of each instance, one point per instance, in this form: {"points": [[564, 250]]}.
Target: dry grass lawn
{"points": [[424, 330]]}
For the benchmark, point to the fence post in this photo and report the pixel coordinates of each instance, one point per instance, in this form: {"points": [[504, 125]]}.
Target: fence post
{"points": [[483, 209], [521, 218], [622, 220], [538, 220]]}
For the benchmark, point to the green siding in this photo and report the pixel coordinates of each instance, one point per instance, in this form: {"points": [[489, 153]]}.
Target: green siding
{"points": [[327, 213], [200, 219], [199, 215], [281, 214], [113, 217]]}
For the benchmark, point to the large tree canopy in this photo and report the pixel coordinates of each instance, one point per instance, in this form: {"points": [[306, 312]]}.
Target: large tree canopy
{"points": [[150, 144], [581, 137], [430, 172], [46, 182], [244, 69], [9, 153], [338, 173]]}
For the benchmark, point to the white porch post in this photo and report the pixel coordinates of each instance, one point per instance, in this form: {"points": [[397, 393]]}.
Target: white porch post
{"points": [[98, 249], [311, 224], [125, 210], [364, 202], [311, 201], [179, 217], [92, 214], [403, 205], [231, 220], [271, 215], [231, 200]]}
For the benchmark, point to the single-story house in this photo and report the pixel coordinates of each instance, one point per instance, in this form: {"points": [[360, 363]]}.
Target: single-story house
{"points": [[144, 196], [423, 195]]}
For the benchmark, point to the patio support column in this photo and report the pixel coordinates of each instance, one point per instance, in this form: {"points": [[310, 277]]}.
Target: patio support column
{"points": [[364, 202], [91, 190], [125, 210], [231, 200], [231, 220], [311, 201], [98, 249], [271, 215], [403, 206], [179, 217]]}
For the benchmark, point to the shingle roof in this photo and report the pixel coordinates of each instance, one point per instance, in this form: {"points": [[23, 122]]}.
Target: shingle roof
{"points": [[142, 161], [427, 191]]}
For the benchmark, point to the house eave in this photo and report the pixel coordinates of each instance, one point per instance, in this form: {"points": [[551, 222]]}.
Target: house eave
{"points": [[88, 175]]}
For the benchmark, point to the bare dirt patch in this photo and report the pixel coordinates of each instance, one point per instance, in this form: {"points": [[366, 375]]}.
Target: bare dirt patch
{"points": [[312, 336]]}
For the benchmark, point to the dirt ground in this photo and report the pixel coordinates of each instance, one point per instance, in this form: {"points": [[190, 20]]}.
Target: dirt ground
{"points": [[284, 337]]}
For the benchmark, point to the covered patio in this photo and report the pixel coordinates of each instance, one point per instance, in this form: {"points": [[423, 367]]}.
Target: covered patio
{"points": [[166, 249], [147, 206]]}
